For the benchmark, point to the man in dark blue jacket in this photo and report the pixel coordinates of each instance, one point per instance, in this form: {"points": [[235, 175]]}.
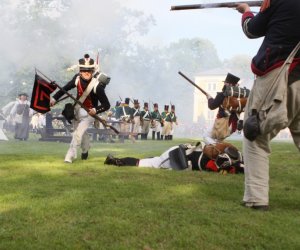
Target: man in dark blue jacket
{"points": [[231, 117], [278, 22]]}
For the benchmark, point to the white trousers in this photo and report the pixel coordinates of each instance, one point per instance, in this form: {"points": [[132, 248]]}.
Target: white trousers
{"points": [[161, 161], [256, 153], [167, 128], [137, 125], [146, 126], [80, 137]]}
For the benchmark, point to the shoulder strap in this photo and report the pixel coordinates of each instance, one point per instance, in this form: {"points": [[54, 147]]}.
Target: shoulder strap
{"points": [[88, 90], [288, 62]]}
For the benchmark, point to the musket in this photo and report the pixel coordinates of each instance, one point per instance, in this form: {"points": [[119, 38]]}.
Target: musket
{"points": [[215, 5], [81, 104], [190, 81]]}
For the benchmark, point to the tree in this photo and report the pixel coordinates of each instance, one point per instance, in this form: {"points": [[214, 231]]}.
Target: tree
{"points": [[53, 34]]}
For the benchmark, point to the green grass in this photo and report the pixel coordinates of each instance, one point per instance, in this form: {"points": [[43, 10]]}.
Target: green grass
{"points": [[46, 204]]}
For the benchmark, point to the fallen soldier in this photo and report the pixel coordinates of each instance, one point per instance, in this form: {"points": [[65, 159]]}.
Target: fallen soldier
{"points": [[220, 157]]}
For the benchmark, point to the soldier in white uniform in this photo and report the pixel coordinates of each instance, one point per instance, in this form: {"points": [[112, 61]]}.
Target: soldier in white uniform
{"points": [[90, 91]]}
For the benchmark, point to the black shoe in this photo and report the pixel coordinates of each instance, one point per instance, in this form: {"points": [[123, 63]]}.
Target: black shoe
{"points": [[109, 160], [84, 156], [261, 207], [256, 207]]}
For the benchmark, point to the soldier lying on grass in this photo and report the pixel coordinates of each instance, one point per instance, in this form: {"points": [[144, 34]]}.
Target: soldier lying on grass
{"points": [[220, 157]]}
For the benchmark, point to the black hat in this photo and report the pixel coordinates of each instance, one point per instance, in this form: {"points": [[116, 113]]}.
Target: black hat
{"points": [[145, 104], [136, 101], [86, 63], [155, 105], [232, 79], [127, 100], [173, 107], [166, 107]]}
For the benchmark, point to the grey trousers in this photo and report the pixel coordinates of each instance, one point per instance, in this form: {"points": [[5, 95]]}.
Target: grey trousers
{"points": [[256, 153]]}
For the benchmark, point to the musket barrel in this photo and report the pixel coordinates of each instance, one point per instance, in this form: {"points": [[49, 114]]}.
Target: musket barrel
{"points": [[190, 81], [215, 5]]}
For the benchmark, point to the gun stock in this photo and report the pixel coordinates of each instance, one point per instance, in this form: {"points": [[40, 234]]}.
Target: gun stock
{"points": [[215, 5], [190, 81]]}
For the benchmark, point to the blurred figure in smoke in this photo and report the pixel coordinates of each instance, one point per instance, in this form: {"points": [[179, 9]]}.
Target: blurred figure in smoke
{"points": [[124, 115], [111, 114], [21, 113], [90, 91]]}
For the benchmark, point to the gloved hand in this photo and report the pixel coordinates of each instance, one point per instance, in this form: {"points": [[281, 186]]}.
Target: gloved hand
{"points": [[52, 102]]}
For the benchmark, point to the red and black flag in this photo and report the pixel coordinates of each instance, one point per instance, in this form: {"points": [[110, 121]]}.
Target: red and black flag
{"points": [[40, 98]]}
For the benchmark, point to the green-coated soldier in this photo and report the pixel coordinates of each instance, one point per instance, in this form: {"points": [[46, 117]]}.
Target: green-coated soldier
{"points": [[155, 122], [165, 125], [124, 115], [136, 122], [145, 121], [173, 121]]}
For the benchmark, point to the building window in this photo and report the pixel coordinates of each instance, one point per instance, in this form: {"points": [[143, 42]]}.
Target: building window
{"points": [[212, 86]]}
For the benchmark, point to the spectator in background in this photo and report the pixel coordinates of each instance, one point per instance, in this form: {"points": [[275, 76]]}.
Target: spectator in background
{"points": [[22, 113]]}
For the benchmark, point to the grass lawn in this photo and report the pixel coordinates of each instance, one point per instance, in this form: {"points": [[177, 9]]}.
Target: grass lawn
{"points": [[47, 204]]}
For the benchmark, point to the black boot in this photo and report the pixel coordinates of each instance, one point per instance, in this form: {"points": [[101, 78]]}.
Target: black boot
{"points": [[161, 137], [158, 136], [126, 161], [153, 135], [170, 137], [110, 160], [84, 156]]}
